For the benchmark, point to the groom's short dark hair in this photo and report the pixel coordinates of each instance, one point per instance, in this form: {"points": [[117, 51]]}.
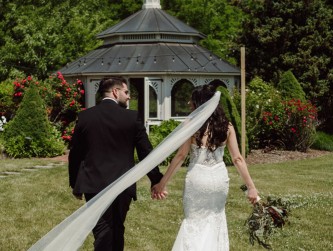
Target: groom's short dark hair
{"points": [[108, 83]]}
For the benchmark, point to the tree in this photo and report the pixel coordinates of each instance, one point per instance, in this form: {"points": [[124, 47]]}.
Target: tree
{"points": [[218, 19], [37, 43], [292, 35]]}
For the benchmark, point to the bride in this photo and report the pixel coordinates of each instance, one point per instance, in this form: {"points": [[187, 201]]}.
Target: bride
{"points": [[207, 181]]}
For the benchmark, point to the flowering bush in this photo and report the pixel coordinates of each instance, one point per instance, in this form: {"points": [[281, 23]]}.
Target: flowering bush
{"points": [[294, 126], [64, 100], [30, 133], [260, 96]]}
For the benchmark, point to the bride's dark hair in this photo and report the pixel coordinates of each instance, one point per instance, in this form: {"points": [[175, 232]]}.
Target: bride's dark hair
{"points": [[216, 125]]}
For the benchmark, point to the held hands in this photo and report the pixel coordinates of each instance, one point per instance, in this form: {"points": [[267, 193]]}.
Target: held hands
{"points": [[158, 192]]}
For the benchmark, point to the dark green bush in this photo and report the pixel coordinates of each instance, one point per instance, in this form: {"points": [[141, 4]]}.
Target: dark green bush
{"points": [[30, 134], [232, 114], [290, 88], [323, 141], [159, 132]]}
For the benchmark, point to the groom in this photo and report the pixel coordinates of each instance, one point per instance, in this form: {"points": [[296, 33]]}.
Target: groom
{"points": [[102, 150]]}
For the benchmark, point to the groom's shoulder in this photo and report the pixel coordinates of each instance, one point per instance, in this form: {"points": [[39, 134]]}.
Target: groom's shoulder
{"points": [[87, 112]]}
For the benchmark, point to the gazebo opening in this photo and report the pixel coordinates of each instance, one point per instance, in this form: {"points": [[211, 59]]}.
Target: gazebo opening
{"points": [[152, 103], [180, 96]]}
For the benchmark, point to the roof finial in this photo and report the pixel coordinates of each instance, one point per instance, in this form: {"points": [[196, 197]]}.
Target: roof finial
{"points": [[151, 4]]}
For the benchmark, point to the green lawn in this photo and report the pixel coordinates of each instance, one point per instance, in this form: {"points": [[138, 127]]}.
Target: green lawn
{"points": [[33, 202]]}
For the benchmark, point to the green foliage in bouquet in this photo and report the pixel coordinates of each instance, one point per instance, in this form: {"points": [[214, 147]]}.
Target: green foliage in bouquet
{"points": [[266, 218], [232, 114], [30, 134]]}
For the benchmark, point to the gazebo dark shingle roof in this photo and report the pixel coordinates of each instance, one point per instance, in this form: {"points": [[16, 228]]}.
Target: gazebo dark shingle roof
{"points": [[141, 58]]}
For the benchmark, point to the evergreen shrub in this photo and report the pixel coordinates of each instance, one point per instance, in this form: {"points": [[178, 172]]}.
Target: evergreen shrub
{"points": [[30, 134], [232, 114], [290, 88]]}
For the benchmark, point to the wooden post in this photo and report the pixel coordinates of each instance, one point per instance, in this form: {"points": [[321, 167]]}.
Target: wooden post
{"points": [[243, 102]]}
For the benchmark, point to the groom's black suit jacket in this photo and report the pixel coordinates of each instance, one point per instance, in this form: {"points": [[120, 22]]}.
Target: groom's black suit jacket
{"points": [[102, 148]]}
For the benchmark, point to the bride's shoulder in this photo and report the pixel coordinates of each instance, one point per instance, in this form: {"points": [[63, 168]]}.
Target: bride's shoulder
{"points": [[230, 128]]}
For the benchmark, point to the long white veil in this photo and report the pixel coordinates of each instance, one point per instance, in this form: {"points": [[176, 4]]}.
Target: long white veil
{"points": [[71, 233]]}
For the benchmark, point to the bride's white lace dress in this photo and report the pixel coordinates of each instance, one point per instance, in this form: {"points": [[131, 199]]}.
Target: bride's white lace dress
{"points": [[206, 188]]}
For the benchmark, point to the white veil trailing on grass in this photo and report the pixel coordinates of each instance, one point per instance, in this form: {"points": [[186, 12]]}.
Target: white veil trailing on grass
{"points": [[71, 233]]}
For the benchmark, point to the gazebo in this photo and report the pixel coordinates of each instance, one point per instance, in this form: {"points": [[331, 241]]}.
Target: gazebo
{"points": [[160, 57]]}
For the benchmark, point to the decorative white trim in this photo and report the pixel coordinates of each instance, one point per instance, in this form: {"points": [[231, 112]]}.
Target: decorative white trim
{"points": [[151, 4], [96, 84], [155, 84], [173, 81], [194, 81], [227, 81]]}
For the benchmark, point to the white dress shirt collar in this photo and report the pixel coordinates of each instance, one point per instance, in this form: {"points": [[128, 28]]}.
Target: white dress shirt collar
{"points": [[110, 99]]}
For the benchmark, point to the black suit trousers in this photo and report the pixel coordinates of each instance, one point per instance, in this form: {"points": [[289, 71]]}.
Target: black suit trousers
{"points": [[109, 230]]}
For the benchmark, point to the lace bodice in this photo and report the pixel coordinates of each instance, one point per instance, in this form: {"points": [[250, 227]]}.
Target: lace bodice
{"points": [[203, 156]]}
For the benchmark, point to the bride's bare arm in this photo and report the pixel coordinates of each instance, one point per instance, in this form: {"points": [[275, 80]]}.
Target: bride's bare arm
{"points": [[240, 164], [175, 164]]}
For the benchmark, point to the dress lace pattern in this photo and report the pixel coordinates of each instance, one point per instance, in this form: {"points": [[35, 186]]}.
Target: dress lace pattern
{"points": [[206, 189]]}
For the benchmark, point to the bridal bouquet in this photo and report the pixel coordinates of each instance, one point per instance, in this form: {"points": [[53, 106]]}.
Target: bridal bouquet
{"points": [[266, 217]]}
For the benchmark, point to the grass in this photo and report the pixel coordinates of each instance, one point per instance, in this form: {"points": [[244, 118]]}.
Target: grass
{"points": [[33, 202]]}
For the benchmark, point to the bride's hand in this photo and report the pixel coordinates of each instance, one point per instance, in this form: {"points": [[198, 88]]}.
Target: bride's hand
{"points": [[252, 195]]}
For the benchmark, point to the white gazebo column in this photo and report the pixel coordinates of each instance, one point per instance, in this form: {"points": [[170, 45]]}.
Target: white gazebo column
{"points": [[146, 100], [167, 99]]}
